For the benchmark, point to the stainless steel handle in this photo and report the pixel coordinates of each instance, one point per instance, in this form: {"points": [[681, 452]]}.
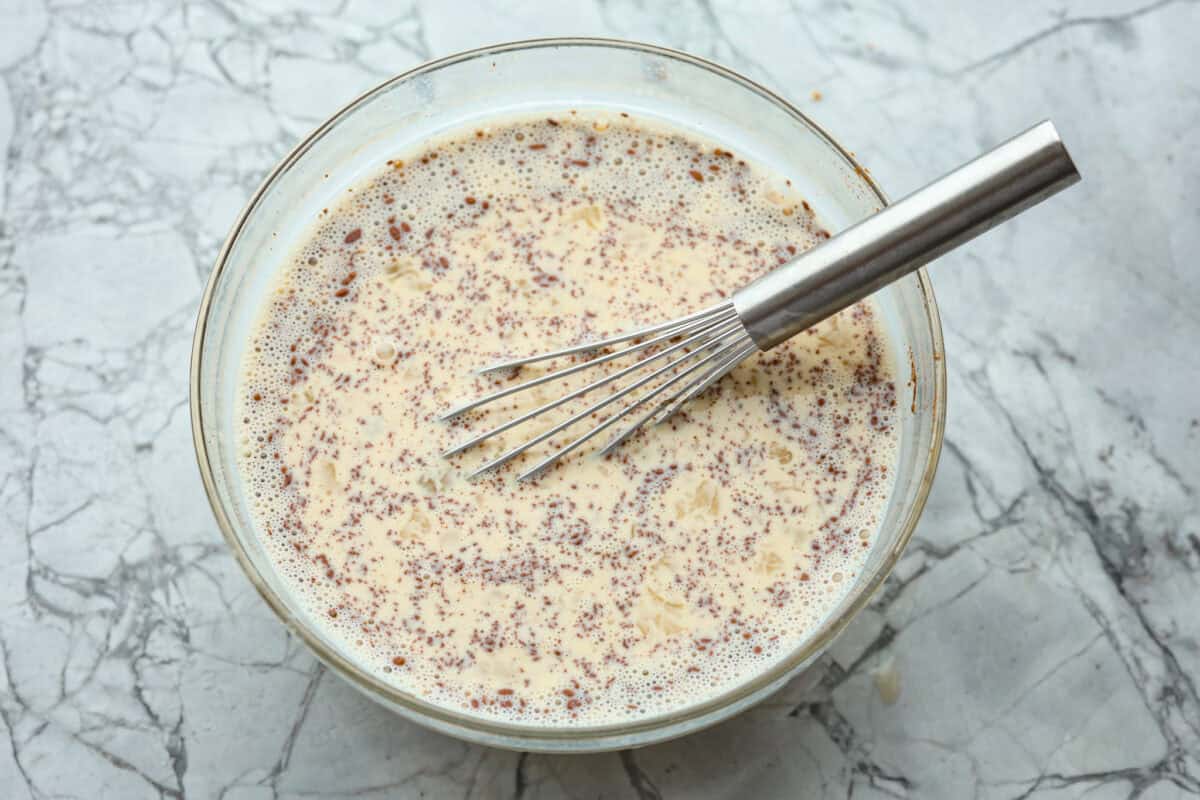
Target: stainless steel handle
{"points": [[906, 235]]}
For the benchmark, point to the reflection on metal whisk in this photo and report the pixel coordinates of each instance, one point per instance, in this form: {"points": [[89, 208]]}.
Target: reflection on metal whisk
{"points": [[702, 347]]}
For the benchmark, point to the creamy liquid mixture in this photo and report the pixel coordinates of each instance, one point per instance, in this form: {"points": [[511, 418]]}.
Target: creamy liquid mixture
{"points": [[608, 589]]}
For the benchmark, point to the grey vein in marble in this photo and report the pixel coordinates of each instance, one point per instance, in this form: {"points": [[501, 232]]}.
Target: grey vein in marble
{"points": [[1040, 637]]}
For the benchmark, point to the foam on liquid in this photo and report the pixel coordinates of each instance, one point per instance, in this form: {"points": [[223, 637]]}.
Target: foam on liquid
{"points": [[698, 554]]}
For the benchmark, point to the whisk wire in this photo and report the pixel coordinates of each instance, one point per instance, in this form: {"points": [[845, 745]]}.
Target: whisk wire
{"points": [[714, 339], [717, 329], [698, 326], [679, 325]]}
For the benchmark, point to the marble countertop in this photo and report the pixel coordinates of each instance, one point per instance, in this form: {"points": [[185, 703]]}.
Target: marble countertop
{"points": [[1043, 629]]}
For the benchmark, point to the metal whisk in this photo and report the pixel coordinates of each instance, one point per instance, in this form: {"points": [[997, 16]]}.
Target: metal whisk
{"points": [[695, 351]]}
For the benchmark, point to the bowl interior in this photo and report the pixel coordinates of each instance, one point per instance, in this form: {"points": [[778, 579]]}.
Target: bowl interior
{"points": [[555, 75]]}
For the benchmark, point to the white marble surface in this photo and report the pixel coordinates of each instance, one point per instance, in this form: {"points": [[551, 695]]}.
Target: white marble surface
{"points": [[1044, 626]]}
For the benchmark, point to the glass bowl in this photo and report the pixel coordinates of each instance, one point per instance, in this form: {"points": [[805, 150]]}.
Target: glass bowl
{"points": [[551, 74]]}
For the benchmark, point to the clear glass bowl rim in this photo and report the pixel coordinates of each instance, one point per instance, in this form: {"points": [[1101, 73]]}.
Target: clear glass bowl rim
{"points": [[573, 738]]}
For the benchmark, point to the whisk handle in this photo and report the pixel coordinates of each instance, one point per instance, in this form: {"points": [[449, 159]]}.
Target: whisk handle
{"points": [[906, 235]]}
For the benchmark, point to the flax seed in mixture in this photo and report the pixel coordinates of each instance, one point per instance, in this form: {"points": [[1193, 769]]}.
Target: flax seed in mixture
{"points": [[682, 565]]}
